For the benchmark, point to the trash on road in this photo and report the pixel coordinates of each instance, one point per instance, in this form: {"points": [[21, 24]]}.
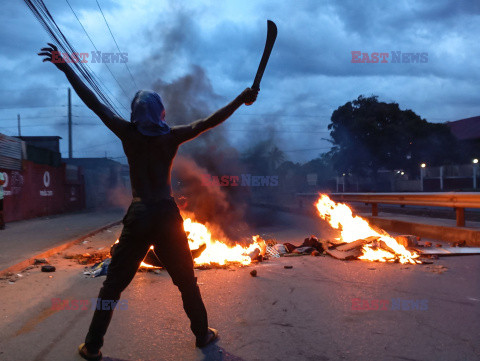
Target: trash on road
{"points": [[98, 269], [48, 268]]}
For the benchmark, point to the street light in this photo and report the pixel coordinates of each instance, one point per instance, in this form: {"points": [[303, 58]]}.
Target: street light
{"points": [[475, 165], [422, 169]]}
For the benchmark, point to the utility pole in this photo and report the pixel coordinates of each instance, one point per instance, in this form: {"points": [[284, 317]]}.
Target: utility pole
{"points": [[70, 155], [19, 127]]}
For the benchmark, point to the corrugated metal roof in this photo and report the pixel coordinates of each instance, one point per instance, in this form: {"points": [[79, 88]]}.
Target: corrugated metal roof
{"points": [[10, 152]]}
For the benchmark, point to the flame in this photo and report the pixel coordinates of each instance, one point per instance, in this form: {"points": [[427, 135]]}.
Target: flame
{"points": [[352, 228], [216, 252]]}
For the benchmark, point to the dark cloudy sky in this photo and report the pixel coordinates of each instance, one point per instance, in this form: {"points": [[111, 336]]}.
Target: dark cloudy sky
{"points": [[309, 75]]}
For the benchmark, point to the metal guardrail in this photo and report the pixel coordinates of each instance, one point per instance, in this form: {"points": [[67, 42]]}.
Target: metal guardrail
{"points": [[456, 200]]}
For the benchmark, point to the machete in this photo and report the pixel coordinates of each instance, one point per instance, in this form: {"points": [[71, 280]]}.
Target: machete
{"points": [[271, 36]]}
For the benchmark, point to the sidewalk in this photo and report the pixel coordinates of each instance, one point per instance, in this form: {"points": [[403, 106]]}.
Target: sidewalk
{"points": [[24, 239]]}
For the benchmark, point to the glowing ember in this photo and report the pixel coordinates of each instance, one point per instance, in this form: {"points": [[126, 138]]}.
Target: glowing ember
{"points": [[352, 228], [146, 265]]}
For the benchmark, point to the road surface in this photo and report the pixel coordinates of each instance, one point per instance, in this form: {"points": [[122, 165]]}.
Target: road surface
{"points": [[303, 313]]}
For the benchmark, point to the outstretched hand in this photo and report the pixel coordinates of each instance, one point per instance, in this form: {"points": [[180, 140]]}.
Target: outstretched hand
{"points": [[248, 96], [52, 55]]}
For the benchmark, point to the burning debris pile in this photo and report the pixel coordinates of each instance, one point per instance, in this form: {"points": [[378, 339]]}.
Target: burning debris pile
{"points": [[208, 251], [359, 240]]}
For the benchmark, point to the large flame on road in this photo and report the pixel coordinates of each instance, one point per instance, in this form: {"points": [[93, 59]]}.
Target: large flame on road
{"points": [[216, 251], [352, 228]]}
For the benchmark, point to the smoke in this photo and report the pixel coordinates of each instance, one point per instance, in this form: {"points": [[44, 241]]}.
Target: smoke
{"points": [[190, 97]]}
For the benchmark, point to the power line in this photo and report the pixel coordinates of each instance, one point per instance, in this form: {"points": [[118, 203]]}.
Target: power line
{"points": [[42, 14], [305, 150], [34, 106], [118, 48], [37, 117], [89, 38]]}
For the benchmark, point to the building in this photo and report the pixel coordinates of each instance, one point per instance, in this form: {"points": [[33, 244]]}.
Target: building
{"points": [[107, 182], [36, 180]]}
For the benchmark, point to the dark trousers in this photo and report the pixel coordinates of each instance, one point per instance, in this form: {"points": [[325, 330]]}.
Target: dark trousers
{"points": [[161, 225]]}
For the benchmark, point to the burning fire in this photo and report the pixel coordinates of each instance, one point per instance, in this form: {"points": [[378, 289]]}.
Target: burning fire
{"points": [[353, 228], [216, 251]]}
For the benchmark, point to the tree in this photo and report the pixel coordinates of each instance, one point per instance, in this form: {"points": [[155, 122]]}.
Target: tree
{"points": [[275, 157], [369, 135]]}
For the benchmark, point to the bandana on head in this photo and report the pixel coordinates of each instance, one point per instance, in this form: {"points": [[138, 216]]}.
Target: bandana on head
{"points": [[148, 113]]}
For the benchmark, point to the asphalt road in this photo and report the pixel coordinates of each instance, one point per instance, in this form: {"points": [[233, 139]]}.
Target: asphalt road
{"points": [[303, 313]]}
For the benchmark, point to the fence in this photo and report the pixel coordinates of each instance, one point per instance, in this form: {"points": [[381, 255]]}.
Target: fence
{"points": [[458, 201]]}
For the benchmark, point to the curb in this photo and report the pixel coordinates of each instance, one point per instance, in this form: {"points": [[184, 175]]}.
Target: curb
{"points": [[61, 247]]}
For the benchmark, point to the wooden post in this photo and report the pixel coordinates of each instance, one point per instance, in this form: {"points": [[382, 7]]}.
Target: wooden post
{"points": [[460, 217], [374, 209]]}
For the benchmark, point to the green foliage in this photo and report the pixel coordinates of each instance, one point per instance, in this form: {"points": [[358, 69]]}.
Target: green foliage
{"points": [[369, 135]]}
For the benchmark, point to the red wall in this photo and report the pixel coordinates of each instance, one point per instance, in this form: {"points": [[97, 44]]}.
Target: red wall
{"points": [[40, 190]]}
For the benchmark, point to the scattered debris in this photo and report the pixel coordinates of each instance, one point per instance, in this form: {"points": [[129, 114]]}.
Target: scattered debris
{"points": [[98, 269], [428, 244], [315, 253], [437, 269], [272, 252], [313, 241], [253, 273], [256, 255], [48, 268], [40, 261], [438, 245], [304, 250], [288, 267], [289, 247], [345, 255], [87, 258], [280, 248], [459, 244], [408, 240]]}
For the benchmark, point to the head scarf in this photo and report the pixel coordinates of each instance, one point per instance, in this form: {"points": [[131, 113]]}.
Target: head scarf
{"points": [[148, 113]]}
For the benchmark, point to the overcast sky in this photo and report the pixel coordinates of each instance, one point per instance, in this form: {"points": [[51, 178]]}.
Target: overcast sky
{"points": [[309, 75]]}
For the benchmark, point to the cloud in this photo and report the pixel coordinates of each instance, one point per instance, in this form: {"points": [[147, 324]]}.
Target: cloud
{"points": [[309, 74]]}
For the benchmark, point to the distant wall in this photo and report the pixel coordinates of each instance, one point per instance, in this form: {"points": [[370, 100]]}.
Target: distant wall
{"points": [[39, 190]]}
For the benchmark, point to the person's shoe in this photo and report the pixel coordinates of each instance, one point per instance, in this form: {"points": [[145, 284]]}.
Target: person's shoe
{"points": [[82, 350], [211, 336]]}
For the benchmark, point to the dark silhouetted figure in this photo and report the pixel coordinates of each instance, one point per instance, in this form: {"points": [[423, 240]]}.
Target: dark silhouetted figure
{"points": [[153, 217]]}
